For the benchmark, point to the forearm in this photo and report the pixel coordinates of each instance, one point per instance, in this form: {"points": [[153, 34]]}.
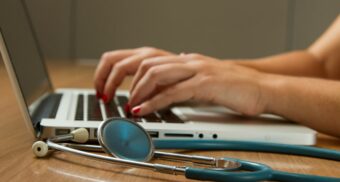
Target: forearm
{"points": [[309, 101], [297, 63], [321, 59]]}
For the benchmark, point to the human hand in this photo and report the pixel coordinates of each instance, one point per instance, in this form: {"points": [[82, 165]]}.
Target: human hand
{"points": [[161, 81], [115, 65]]}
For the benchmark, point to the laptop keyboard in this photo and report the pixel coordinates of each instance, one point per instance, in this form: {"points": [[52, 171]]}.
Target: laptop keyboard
{"points": [[169, 116], [80, 108], [93, 109], [47, 108], [152, 118], [111, 110]]}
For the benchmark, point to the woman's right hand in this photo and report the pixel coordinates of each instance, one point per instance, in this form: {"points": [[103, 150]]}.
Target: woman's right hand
{"points": [[115, 65], [162, 81]]}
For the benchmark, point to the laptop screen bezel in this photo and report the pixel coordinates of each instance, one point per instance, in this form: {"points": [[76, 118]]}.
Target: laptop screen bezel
{"points": [[47, 89]]}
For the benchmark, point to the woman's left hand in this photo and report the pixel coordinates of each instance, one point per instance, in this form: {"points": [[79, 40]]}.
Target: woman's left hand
{"points": [[161, 81]]}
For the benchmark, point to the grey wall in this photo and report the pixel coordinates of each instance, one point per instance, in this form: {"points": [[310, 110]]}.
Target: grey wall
{"points": [[311, 18], [83, 29], [223, 28], [52, 20]]}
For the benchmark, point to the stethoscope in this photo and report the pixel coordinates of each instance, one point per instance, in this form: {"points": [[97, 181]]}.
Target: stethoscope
{"points": [[130, 145]]}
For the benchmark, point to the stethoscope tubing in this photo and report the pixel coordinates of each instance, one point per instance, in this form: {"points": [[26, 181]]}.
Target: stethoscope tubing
{"points": [[263, 172], [248, 146], [124, 162], [259, 172], [256, 171]]}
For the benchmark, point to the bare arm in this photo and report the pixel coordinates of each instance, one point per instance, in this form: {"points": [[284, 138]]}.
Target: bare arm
{"points": [[321, 59], [314, 102], [310, 101]]}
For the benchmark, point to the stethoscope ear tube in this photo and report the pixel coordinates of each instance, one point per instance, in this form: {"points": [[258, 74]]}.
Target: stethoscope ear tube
{"points": [[248, 146], [258, 172]]}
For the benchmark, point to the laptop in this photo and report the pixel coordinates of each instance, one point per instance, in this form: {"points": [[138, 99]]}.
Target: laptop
{"points": [[49, 112]]}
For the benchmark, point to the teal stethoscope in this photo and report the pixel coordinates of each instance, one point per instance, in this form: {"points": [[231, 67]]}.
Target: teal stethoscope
{"points": [[131, 146]]}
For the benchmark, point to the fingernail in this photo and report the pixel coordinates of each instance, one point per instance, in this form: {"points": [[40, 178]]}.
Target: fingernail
{"points": [[104, 97], [98, 95], [127, 108], [136, 110]]}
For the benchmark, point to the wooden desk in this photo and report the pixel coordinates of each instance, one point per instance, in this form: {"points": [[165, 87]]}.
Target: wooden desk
{"points": [[17, 163]]}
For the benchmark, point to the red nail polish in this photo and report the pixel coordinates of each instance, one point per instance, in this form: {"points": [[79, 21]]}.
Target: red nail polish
{"points": [[136, 110], [98, 95], [127, 108], [104, 97]]}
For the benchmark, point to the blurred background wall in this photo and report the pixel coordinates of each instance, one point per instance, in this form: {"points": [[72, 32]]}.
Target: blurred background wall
{"points": [[84, 29]]}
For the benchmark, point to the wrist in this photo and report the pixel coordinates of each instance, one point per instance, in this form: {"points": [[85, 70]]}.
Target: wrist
{"points": [[270, 87]]}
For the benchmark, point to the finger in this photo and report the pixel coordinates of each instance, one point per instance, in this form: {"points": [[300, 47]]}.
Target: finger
{"points": [[108, 60], [162, 75], [180, 92], [148, 63], [127, 66]]}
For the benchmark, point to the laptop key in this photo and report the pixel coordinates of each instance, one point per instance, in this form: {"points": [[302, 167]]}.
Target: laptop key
{"points": [[111, 110], [56, 101], [47, 108], [80, 108], [169, 117], [122, 101], [93, 110], [135, 118], [152, 118]]}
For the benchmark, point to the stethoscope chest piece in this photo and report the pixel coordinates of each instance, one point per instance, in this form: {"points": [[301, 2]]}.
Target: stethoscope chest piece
{"points": [[125, 139]]}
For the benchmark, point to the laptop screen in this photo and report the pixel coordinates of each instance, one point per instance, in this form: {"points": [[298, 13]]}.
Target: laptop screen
{"points": [[23, 50]]}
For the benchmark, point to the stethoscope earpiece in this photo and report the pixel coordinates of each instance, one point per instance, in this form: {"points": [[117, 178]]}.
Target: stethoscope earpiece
{"points": [[80, 135], [40, 148]]}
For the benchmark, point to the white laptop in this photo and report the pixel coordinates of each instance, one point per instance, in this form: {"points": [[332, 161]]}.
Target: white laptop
{"points": [[48, 112]]}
